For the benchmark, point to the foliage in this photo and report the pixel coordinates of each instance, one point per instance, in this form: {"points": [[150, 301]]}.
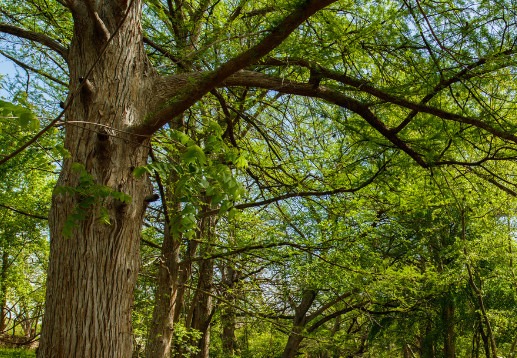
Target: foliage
{"points": [[90, 194], [25, 188], [16, 353], [359, 191]]}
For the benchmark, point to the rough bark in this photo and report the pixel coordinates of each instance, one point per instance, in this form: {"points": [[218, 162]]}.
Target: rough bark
{"points": [[92, 272], [116, 102]]}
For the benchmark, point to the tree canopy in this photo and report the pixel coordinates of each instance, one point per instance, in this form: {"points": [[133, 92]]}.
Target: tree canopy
{"points": [[261, 178]]}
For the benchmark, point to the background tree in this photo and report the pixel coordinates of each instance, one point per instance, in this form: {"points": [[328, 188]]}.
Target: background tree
{"points": [[25, 189]]}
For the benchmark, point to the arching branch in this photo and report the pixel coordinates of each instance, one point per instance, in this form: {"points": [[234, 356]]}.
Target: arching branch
{"points": [[255, 79], [34, 216], [37, 37], [32, 69], [183, 97]]}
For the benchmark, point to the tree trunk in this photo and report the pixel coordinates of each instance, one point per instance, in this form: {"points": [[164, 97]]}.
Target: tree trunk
{"points": [[202, 307], [170, 291], [299, 321], [427, 349], [449, 334], [162, 324], [93, 269], [228, 317], [200, 315], [3, 291], [484, 338]]}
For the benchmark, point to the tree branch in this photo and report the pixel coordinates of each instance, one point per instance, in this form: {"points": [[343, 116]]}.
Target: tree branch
{"points": [[254, 79], [304, 194], [163, 51], [465, 73], [187, 95], [32, 69], [34, 216], [37, 37]]}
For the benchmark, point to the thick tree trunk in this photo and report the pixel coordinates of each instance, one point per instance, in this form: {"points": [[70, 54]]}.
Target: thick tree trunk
{"points": [[93, 270]]}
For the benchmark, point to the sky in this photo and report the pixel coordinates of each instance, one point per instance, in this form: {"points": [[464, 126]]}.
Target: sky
{"points": [[7, 68]]}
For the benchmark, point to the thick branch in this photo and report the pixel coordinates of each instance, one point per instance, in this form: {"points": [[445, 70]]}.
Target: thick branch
{"points": [[465, 73], [37, 37], [191, 93]]}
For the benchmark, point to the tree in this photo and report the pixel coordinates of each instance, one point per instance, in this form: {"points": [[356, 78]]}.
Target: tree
{"points": [[25, 189], [411, 79]]}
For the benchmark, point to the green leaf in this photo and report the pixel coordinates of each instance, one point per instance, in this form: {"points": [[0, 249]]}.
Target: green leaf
{"points": [[139, 172], [27, 119], [194, 153], [241, 162], [121, 197], [181, 137], [104, 216]]}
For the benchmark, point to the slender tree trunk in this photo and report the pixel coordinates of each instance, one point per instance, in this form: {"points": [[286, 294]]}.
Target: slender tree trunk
{"points": [[162, 325], [3, 291], [475, 343], [449, 334], [185, 274], [202, 307], [427, 349], [200, 315], [170, 291], [477, 290], [407, 351], [92, 270], [228, 317], [299, 321]]}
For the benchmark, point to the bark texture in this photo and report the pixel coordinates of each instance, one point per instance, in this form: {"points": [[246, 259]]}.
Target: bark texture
{"points": [[92, 272]]}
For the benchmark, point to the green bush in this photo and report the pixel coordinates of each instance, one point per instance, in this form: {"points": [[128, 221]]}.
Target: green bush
{"points": [[17, 353]]}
